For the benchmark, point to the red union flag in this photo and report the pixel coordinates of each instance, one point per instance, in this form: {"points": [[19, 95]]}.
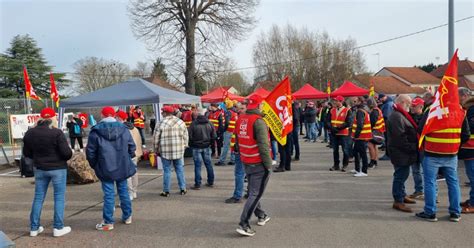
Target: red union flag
{"points": [[54, 90], [445, 112], [30, 92], [278, 111]]}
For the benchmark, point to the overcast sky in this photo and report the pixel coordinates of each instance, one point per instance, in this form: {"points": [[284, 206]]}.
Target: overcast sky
{"points": [[69, 30]]}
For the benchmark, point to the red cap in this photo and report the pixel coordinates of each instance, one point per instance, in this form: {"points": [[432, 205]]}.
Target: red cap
{"points": [[168, 109], [417, 101], [47, 113], [122, 115], [254, 101], [339, 98], [108, 111]]}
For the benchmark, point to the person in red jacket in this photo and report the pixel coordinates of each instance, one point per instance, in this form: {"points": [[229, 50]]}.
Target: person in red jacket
{"points": [[139, 122], [254, 147]]}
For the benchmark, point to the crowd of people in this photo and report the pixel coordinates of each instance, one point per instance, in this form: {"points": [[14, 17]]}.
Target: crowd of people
{"points": [[357, 124]]}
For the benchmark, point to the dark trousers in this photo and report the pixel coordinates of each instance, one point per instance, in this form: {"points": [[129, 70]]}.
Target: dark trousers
{"points": [[301, 126], [73, 142], [360, 153], [217, 145], [285, 154], [343, 141], [400, 176], [257, 177], [386, 142], [296, 143]]}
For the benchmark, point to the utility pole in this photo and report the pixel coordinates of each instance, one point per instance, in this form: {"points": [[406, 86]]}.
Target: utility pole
{"points": [[450, 29]]}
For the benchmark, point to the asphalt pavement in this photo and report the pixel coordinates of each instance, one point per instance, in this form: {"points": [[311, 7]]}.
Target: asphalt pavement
{"points": [[309, 206]]}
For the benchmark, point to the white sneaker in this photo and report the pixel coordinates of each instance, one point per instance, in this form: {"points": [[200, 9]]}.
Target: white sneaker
{"points": [[143, 146], [128, 221], [360, 174], [35, 233], [354, 171], [263, 221], [131, 197], [61, 232], [82, 150], [135, 196]]}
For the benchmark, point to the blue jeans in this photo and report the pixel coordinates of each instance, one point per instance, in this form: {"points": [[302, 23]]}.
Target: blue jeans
{"points": [[312, 131], [417, 177], [42, 179], [226, 148], [179, 168], [400, 176], [274, 149], [239, 174], [431, 166], [108, 187], [204, 155], [469, 164]]}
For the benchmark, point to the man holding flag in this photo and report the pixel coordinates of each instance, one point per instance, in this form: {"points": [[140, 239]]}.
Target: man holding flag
{"points": [[444, 130]]}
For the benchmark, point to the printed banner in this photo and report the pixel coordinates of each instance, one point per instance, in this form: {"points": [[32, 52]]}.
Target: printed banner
{"points": [[19, 124]]}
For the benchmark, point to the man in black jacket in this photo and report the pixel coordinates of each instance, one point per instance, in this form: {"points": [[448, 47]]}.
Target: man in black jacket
{"points": [[48, 148], [201, 135], [403, 147]]}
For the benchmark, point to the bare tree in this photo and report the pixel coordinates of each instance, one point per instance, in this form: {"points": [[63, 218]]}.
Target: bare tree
{"points": [[180, 28], [142, 69], [307, 57], [94, 73]]}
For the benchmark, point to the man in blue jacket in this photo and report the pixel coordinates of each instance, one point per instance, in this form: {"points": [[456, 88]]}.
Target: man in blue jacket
{"points": [[110, 150]]}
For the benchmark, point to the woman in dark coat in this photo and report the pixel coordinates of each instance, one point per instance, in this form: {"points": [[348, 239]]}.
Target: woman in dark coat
{"points": [[75, 133]]}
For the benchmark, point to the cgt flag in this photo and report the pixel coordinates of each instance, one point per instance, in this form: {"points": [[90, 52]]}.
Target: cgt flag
{"points": [[445, 113], [277, 111], [328, 90], [54, 90], [30, 92]]}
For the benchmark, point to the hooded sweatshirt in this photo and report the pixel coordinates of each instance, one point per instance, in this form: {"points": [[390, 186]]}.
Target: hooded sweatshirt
{"points": [[110, 149]]}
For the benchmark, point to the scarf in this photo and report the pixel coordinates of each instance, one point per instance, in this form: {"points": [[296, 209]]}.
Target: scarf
{"points": [[407, 115]]}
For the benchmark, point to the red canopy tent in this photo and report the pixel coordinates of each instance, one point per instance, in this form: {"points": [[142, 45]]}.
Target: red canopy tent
{"points": [[261, 92], [309, 92], [218, 95], [349, 89]]}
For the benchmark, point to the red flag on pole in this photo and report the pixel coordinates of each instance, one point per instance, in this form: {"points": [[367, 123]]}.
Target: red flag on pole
{"points": [[278, 111], [54, 90], [445, 112], [30, 92]]}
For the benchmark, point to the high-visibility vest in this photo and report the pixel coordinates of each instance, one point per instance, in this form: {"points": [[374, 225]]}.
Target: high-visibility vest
{"points": [[232, 142], [187, 117], [232, 121], [445, 141], [214, 117], [338, 120], [366, 132], [138, 120], [380, 123], [248, 148]]}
